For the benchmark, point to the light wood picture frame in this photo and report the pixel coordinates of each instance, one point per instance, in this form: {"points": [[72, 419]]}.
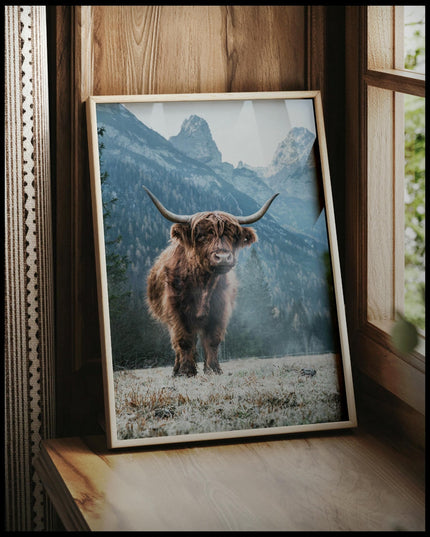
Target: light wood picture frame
{"points": [[220, 296]]}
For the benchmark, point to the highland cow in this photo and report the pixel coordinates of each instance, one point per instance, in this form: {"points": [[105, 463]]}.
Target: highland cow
{"points": [[192, 286]]}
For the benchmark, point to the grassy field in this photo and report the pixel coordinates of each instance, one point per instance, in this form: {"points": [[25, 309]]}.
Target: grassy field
{"points": [[251, 393]]}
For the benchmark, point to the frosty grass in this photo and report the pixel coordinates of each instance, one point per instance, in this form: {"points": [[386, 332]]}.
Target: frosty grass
{"points": [[251, 393]]}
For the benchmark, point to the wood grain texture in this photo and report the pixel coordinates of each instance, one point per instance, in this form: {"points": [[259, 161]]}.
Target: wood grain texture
{"points": [[328, 483], [356, 190], [381, 209], [196, 49], [404, 82], [395, 374], [316, 57], [380, 37], [382, 412]]}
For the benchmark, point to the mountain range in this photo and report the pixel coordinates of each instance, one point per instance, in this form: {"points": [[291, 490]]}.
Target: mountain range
{"points": [[292, 172]]}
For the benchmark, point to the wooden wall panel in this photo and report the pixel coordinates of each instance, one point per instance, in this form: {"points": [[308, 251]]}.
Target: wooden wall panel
{"points": [[111, 50], [190, 49]]}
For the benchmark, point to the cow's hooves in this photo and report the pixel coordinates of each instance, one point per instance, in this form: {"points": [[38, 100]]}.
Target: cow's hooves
{"points": [[215, 370], [189, 371]]}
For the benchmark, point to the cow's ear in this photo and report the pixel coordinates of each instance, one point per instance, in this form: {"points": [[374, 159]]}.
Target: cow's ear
{"points": [[181, 232], [248, 236]]}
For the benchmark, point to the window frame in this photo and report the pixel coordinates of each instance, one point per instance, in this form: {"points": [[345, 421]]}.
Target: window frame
{"points": [[374, 275]]}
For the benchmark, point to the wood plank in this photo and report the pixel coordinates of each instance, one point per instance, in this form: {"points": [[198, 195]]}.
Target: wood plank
{"points": [[316, 49], [384, 414], [193, 49], [59, 494], [380, 37], [378, 361], [347, 482], [380, 205], [402, 81], [234, 96], [355, 187]]}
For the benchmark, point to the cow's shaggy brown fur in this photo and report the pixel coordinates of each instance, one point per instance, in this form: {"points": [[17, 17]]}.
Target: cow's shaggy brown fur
{"points": [[192, 287]]}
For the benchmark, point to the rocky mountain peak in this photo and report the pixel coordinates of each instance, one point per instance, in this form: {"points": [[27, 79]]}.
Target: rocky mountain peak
{"points": [[194, 124], [195, 140], [294, 149]]}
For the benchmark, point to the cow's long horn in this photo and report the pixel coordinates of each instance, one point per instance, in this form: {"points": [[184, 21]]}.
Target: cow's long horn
{"points": [[176, 218], [243, 220]]}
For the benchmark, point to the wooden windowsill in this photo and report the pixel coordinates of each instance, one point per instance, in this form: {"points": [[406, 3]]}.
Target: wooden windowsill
{"points": [[404, 376], [348, 480], [415, 358]]}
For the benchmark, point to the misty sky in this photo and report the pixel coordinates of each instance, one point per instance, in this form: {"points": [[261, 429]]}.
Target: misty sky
{"points": [[247, 131]]}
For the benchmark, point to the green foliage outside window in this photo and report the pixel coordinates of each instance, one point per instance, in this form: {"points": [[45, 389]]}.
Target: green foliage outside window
{"points": [[415, 210], [415, 178]]}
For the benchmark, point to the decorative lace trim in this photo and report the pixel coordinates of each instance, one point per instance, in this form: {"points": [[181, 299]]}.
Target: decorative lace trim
{"points": [[29, 367]]}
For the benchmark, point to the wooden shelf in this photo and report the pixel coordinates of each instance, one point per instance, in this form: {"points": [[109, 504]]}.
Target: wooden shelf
{"points": [[346, 480]]}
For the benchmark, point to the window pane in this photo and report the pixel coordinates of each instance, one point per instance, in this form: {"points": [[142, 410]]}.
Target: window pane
{"points": [[414, 38], [415, 210]]}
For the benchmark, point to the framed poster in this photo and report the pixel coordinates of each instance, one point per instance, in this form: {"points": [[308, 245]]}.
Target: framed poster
{"points": [[220, 294]]}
